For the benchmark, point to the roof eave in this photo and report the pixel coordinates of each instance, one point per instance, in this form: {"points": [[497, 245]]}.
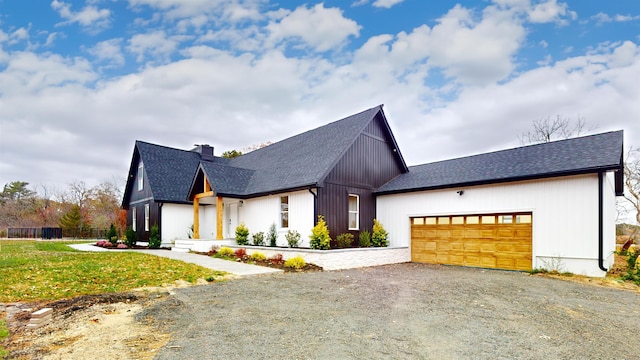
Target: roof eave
{"points": [[504, 180]]}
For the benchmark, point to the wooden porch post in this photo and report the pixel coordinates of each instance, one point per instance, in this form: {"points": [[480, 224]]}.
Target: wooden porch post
{"points": [[219, 208], [196, 218]]}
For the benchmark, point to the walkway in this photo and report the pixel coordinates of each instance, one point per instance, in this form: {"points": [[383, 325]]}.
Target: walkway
{"points": [[235, 268]]}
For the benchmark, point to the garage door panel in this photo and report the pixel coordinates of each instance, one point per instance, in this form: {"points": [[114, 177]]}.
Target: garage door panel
{"points": [[494, 245]]}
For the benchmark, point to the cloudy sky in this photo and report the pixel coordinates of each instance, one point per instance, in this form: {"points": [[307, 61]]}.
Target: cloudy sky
{"points": [[80, 81]]}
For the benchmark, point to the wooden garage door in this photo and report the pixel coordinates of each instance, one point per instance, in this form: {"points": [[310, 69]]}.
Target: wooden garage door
{"points": [[500, 241]]}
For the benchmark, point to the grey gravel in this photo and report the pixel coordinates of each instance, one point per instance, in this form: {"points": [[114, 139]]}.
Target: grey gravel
{"points": [[404, 311]]}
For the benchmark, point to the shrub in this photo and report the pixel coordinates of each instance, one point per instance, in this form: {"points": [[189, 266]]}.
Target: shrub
{"points": [[296, 262], [154, 237], [379, 235], [364, 239], [320, 238], [344, 240], [258, 256], [225, 252], [293, 238], [122, 246], [241, 253], [272, 235], [276, 259], [101, 243], [108, 244], [258, 239], [131, 238], [112, 233], [242, 235]]}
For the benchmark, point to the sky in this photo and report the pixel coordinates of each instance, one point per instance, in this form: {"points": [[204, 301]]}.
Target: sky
{"points": [[81, 81]]}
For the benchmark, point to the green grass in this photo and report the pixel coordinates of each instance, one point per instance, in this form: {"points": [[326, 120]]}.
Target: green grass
{"points": [[36, 270], [4, 332]]}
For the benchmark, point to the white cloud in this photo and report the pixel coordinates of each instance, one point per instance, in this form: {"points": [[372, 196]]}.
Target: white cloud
{"points": [[195, 13], [90, 17], [602, 18], [386, 3], [18, 35], [551, 11], [473, 51], [155, 47], [109, 51], [319, 27]]}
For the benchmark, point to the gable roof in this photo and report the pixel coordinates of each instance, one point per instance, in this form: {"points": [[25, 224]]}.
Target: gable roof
{"points": [[298, 162], [588, 154], [168, 171], [301, 161]]}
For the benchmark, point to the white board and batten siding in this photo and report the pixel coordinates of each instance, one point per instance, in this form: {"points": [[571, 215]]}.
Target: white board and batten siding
{"points": [[565, 216], [259, 213], [176, 222]]}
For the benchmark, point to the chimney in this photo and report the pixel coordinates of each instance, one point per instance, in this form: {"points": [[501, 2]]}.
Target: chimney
{"points": [[205, 151]]}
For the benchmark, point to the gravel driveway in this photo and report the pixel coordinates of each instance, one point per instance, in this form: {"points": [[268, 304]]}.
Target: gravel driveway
{"points": [[405, 311]]}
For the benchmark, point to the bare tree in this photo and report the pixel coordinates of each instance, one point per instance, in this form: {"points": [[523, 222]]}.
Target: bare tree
{"points": [[550, 129], [632, 180]]}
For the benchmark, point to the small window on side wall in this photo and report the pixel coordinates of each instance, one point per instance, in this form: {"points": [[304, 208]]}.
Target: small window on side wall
{"points": [[284, 211], [140, 177], [134, 220], [146, 217], [354, 212]]}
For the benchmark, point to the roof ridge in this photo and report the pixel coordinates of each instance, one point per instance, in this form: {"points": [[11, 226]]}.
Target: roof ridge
{"points": [[520, 147]]}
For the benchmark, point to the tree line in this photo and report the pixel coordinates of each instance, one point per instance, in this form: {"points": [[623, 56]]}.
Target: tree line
{"points": [[79, 209]]}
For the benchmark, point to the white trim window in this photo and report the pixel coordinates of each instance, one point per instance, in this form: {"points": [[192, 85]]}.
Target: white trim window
{"points": [[134, 219], [146, 217], [140, 177], [284, 212], [354, 212]]}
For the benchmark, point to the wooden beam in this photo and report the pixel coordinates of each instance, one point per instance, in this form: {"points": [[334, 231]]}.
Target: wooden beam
{"points": [[207, 186], [203, 195], [196, 218], [219, 208]]}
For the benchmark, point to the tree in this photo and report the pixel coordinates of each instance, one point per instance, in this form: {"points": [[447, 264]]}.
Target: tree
{"points": [[632, 180], [230, 154], [548, 129]]}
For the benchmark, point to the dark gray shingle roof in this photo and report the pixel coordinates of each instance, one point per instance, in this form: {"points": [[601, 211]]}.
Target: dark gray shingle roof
{"points": [[572, 156], [302, 160]]}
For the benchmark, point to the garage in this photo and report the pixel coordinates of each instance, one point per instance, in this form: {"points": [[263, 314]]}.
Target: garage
{"points": [[498, 241]]}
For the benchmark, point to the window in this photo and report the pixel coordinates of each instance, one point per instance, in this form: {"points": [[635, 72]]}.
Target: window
{"points": [[443, 220], [140, 177], [457, 220], [354, 210], [418, 221], [523, 219], [284, 211], [134, 222], [505, 219], [146, 217], [430, 221], [473, 220], [489, 219]]}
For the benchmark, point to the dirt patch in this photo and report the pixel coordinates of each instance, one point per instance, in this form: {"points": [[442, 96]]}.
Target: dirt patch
{"points": [[104, 326]]}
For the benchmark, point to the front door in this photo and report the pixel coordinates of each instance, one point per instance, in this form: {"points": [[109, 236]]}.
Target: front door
{"points": [[232, 220]]}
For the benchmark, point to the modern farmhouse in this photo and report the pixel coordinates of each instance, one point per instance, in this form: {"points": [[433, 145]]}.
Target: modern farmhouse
{"points": [[549, 205]]}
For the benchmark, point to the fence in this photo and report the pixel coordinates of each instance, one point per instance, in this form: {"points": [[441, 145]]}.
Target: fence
{"points": [[55, 233]]}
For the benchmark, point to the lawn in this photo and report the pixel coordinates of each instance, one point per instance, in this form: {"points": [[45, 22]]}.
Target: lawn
{"points": [[38, 270]]}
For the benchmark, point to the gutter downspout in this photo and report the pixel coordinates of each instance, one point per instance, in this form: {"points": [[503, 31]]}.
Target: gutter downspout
{"points": [[315, 206], [601, 222]]}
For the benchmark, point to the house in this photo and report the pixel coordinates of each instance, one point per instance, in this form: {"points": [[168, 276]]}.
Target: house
{"points": [[549, 205]]}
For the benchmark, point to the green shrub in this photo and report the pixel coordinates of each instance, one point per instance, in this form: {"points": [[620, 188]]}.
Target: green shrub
{"points": [[258, 239], [225, 252], [242, 235], [320, 238], [258, 256], [296, 262], [344, 240], [131, 238], [112, 233], [154, 237], [364, 239], [272, 235], [379, 235], [293, 238]]}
